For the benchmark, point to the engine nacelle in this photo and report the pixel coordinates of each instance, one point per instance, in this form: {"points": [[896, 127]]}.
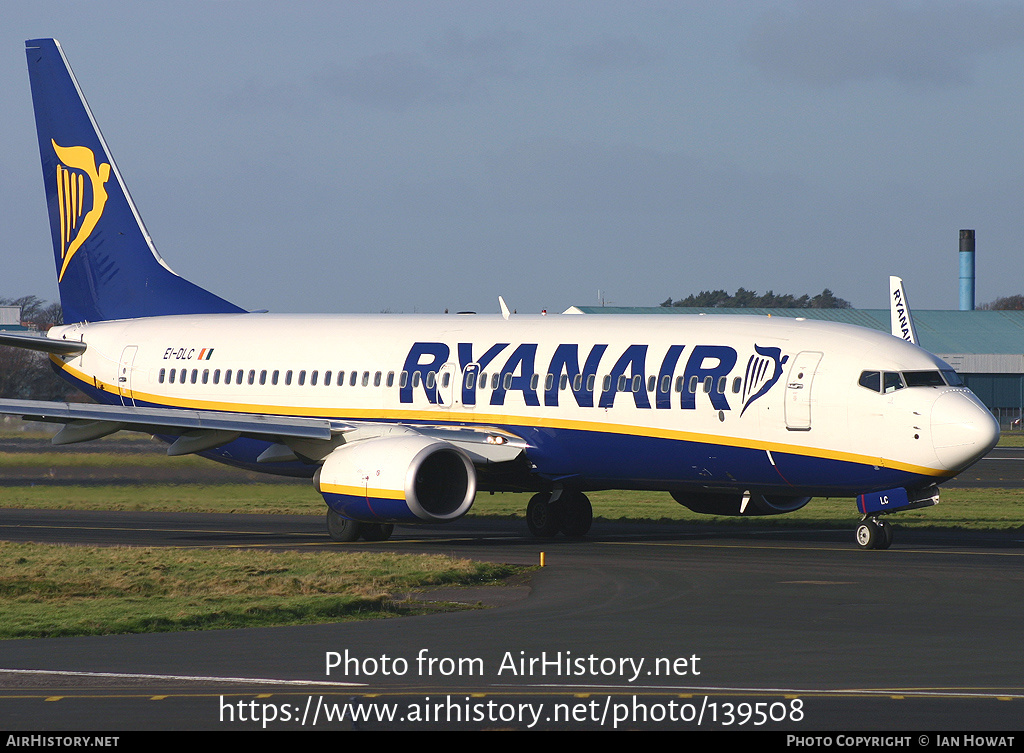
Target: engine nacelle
{"points": [[402, 479], [732, 504]]}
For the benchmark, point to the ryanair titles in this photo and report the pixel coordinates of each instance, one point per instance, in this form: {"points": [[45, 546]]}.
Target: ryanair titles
{"points": [[649, 379]]}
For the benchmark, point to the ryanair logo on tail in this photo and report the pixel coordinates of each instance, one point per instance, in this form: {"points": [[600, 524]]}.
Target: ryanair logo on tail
{"points": [[81, 196]]}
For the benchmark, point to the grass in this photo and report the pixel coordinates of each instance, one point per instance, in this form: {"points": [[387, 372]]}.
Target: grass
{"points": [[53, 590], [974, 509]]}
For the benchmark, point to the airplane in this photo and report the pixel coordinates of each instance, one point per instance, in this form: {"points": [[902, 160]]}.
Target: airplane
{"points": [[404, 419]]}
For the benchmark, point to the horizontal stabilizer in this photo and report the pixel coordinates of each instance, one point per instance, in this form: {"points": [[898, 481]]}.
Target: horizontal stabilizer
{"points": [[44, 344]]}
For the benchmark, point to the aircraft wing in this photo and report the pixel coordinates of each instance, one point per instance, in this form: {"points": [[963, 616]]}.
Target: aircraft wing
{"points": [[199, 430]]}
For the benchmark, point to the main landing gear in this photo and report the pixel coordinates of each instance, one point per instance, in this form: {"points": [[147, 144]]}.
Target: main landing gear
{"points": [[569, 512], [343, 529], [874, 533]]}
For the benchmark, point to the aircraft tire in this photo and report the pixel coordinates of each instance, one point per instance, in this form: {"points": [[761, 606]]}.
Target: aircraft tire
{"points": [[575, 514], [342, 529], [868, 534], [885, 537], [377, 531], [542, 518]]}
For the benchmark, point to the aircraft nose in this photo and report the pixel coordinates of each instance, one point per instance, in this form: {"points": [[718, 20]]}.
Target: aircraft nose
{"points": [[963, 429]]}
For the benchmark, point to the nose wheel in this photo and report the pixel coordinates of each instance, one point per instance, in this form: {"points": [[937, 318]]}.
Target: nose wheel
{"points": [[874, 533]]}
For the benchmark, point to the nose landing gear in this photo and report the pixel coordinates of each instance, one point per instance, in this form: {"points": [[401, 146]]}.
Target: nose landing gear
{"points": [[874, 533]]}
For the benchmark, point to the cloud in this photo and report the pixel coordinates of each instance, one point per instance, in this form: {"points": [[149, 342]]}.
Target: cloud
{"points": [[914, 43]]}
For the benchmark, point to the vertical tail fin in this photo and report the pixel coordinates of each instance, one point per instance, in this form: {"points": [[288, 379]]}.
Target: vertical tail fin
{"points": [[900, 319], [107, 266]]}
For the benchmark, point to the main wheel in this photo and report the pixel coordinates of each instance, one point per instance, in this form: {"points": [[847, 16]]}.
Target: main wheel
{"points": [[542, 517], [575, 513], [377, 531], [868, 534], [342, 529]]}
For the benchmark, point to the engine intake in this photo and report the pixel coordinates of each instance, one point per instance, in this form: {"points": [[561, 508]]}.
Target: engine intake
{"points": [[406, 479]]}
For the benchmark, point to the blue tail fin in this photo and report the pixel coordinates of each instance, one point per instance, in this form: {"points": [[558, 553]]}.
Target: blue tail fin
{"points": [[107, 266]]}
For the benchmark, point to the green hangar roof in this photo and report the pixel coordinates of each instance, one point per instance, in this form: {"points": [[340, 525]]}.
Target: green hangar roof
{"points": [[941, 332]]}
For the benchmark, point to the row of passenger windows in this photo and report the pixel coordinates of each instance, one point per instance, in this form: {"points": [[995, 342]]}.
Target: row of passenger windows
{"points": [[890, 381], [240, 376], [433, 379]]}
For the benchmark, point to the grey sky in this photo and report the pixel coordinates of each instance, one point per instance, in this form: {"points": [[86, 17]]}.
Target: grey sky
{"points": [[363, 156]]}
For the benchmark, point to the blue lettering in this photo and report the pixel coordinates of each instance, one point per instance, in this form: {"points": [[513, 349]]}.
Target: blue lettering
{"points": [[566, 361], [707, 361], [663, 397], [466, 360], [523, 359], [437, 353], [635, 358]]}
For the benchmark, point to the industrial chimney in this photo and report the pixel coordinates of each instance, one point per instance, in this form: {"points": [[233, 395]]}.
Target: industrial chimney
{"points": [[967, 270]]}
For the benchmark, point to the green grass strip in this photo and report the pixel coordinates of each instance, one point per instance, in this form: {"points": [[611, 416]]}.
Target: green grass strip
{"points": [[53, 590]]}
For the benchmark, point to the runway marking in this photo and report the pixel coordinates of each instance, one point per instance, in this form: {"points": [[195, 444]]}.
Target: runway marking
{"points": [[894, 693], [189, 678], [837, 548]]}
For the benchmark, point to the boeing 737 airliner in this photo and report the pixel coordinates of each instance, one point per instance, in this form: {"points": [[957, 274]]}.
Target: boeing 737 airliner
{"points": [[402, 419]]}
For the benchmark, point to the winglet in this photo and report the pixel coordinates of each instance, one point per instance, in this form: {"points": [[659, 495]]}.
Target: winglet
{"points": [[504, 309], [899, 312]]}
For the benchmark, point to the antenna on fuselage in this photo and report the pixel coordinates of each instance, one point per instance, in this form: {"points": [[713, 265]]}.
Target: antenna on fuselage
{"points": [[504, 309]]}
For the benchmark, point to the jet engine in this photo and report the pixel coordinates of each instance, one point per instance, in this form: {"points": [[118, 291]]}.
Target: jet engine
{"points": [[403, 479], [708, 503]]}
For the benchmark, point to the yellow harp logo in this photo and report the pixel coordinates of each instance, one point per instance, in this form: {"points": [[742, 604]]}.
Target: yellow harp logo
{"points": [[76, 220]]}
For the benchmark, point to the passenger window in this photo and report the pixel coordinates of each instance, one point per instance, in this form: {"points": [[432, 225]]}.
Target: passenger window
{"points": [[195, 375], [666, 383], [652, 382], [736, 385], [302, 377], [621, 386], [288, 377], [216, 376], [355, 375], [366, 378], [508, 381], [391, 379], [693, 384], [638, 382], [239, 376], [263, 377], [206, 376], [376, 379], [312, 378], [577, 382], [722, 383], [327, 379], [252, 376], [163, 373], [708, 381], [591, 378], [171, 379], [273, 377]]}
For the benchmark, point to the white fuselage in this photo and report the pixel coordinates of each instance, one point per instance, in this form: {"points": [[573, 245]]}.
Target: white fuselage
{"points": [[629, 401]]}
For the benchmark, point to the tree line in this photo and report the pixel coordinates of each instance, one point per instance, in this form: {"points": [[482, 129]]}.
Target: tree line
{"points": [[26, 374], [749, 299]]}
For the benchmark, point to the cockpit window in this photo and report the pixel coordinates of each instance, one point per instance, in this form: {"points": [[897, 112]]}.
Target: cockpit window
{"points": [[923, 379], [952, 378], [892, 381], [872, 380]]}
